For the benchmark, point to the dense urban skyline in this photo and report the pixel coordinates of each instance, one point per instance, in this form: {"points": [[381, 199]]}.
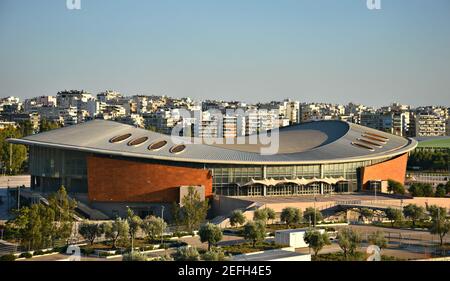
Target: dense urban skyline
{"points": [[312, 51]]}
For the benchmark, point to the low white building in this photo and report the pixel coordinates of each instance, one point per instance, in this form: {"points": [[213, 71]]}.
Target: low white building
{"points": [[284, 254], [292, 237]]}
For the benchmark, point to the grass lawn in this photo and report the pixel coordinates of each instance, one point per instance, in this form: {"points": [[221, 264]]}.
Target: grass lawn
{"points": [[438, 143], [403, 224], [244, 248]]}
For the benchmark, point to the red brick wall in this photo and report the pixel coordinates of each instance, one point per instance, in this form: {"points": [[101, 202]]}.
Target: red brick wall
{"points": [[392, 169], [111, 180]]}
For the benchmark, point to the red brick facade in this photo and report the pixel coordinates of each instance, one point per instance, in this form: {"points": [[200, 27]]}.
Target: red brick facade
{"points": [[111, 180], [394, 169]]}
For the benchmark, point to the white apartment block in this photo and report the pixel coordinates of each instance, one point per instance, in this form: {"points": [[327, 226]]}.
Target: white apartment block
{"points": [[447, 127], [109, 96], [429, 125]]}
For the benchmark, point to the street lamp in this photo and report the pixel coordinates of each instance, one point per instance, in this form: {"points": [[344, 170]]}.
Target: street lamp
{"points": [[314, 204], [162, 232], [132, 237]]}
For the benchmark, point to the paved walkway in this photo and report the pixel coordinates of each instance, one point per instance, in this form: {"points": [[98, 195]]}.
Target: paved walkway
{"points": [[403, 243]]}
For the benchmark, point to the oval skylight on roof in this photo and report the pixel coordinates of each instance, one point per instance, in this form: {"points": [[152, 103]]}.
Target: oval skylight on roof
{"points": [[360, 145], [177, 148], [377, 145], [374, 138], [157, 145], [138, 141], [119, 138], [377, 136]]}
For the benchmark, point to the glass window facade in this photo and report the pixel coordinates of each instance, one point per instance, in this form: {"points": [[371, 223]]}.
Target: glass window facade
{"points": [[51, 168], [229, 180]]}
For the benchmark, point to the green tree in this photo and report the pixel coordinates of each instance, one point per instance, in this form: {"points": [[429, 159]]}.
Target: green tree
{"points": [[194, 209], [187, 254], [264, 215], [416, 190], [237, 218], [378, 238], [439, 222], [447, 187], [271, 214], [134, 224], [290, 216], [316, 240], [153, 227], [440, 191], [413, 212], [255, 231], [421, 190], [348, 240], [436, 211], [176, 215], [210, 233], [26, 128], [428, 190], [396, 187], [90, 231], [49, 230], [12, 156], [260, 215], [308, 215], [394, 215], [366, 213], [116, 230], [47, 125], [33, 226], [64, 208]]}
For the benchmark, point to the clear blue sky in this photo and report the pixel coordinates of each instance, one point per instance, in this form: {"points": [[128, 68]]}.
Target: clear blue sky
{"points": [[251, 50]]}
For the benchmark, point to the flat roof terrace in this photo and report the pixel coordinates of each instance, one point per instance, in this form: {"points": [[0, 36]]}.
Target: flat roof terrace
{"points": [[319, 198]]}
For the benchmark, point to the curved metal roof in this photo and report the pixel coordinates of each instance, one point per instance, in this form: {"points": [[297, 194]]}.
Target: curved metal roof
{"points": [[307, 143]]}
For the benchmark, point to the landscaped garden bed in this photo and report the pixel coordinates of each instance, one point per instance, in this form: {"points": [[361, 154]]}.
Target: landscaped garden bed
{"points": [[244, 248], [358, 256], [421, 225]]}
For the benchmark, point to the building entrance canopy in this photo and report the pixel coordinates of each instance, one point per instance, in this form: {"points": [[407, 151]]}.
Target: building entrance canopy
{"points": [[298, 181]]}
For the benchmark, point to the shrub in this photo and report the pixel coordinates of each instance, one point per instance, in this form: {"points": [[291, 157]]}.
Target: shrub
{"points": [[164, 258], [104, 254], [147, 248], [187, 254], [38, 253], [61, 250], [135, 256], [87, 251], [9, 257], [214, 255], [26, 255], [175, 244]]}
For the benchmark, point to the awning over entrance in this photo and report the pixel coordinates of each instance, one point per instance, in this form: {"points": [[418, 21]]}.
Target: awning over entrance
{"points": [[298, 181]]}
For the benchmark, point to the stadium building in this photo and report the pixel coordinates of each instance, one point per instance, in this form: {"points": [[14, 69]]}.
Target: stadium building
{"points": [[113, 165]]}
